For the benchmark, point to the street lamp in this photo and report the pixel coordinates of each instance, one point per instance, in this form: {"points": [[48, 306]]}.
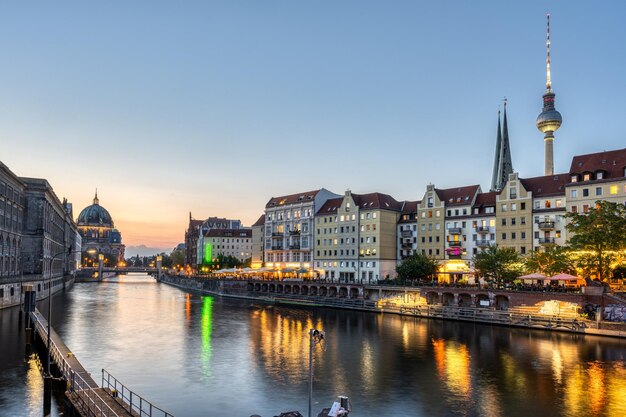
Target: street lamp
{"points": [[316, 337]]}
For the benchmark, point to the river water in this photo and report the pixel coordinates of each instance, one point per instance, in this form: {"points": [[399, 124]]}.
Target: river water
{"points": [[208, 356]]}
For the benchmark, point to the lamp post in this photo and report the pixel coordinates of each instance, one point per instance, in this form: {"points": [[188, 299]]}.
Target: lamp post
{"points": [[315, 338]]}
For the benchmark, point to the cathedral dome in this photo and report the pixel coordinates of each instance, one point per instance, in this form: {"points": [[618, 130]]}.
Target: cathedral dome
{"points": [[95, 215]]}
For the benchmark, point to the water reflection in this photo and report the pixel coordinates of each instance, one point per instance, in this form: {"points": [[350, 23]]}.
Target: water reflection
{"points": [[193, 355]]}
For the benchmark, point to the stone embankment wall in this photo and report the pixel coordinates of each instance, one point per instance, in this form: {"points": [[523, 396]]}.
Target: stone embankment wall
{"points": [[11, 291]]}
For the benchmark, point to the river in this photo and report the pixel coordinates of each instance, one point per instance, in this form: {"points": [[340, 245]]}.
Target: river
{"points": [[208, 356]]}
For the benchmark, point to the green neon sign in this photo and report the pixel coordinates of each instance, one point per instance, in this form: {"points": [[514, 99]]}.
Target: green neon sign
{"points": [[208, 253]]}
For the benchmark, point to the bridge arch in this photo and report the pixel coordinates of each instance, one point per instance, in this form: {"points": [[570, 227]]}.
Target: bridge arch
{"points": [[447, 299], [502, 302], [465, 300]]}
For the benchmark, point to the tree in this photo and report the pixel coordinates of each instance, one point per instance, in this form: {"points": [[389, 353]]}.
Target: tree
{"points": [[551, 261], [416, 266], [598, 236], [498, 264], [178, 257]]}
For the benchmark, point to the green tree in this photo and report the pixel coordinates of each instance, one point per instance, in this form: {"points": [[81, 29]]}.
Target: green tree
{"points": [[598, 236], [498, 264], [417, 266], [178, 257], [551, 261]]}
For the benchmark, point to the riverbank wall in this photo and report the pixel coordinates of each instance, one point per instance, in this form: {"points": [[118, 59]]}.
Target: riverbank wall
{"points": [[11, 289], [381, 303]]}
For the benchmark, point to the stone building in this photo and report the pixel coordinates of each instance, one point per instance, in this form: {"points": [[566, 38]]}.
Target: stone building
{"points": [[99, 236], [225, 242], [407, 230], [258, 229], [197, 228], [12, 209]]}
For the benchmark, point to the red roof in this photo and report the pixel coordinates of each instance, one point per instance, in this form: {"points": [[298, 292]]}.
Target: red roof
{"points": [[228, 233], [612, 162], [292, 199], [486, 199], [460, 196], [410, 207], [546, 186], [371, 201], [260, 221]]}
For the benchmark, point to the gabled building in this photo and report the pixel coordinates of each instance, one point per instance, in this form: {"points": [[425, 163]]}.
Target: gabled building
{"points": [[355, 237], [514, 216], [258, 229], [288, 232]]}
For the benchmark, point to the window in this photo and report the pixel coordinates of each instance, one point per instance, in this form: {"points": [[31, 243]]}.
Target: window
{"points": [[586, 177], [522, 206], [613, 189], [573, 193], [522, 250], [492, 223], [503, 236], [558, 234], [522, 220], [513, 206], [537, 204], [598, 190], [512, 221], [503, 222], [536, 235], [585, 208], [548, 204], [513, 235], [503, 207], [585, 192], [574, 209], [574, 178], [559, 203], [437, 213], [523, 235], [599, 175]]}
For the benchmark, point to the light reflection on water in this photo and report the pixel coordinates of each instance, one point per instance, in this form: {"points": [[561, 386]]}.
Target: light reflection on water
{"points": [[196, 355]]}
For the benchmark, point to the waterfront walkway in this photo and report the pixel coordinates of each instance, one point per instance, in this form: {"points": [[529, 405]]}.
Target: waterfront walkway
{"points": [[84, 393]]}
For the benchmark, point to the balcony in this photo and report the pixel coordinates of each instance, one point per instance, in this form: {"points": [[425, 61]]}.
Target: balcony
{"points": [[455, 230], [278, 248], [546, 225], [455, 244], [482, 229], [546, 241], [483, 243], [294, 232], [277, 234], [407, 233], [407, 246], [295, 246]]}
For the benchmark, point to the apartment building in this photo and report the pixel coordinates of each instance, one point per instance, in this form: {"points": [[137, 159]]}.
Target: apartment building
{"points": [[258, 229], [289, 229], [355, 237], [514, 216], [226, 242], [407, 230], [548, 210], [482, 223], [596, 176]]}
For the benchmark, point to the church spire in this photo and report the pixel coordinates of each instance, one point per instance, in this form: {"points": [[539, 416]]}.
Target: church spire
{"points": [[502, 165], [496, 160], [95, 198], [506, 165]]}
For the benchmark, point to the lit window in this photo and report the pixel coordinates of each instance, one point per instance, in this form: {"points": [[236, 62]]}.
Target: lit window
{"points": [[613, 189], [559, 203], [586, 177]]}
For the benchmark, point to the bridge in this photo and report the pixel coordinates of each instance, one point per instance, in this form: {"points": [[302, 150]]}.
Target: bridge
{"points": [[110, 399]]}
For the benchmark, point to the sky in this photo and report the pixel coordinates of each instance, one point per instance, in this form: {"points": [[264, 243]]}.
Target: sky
{"points": [[214, 107]]}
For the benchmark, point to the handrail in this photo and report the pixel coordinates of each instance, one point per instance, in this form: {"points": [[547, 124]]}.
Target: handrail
{"points": [[76, 383], [131, 401]]}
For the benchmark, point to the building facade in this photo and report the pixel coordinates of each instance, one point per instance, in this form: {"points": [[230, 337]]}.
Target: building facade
{"points": [[99, 236], [12, 209], [407, 231], [214, 243], [289, 230], [258, 237]]}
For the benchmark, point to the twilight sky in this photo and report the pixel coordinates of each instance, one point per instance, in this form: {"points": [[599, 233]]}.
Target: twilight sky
{"points": [[213, 107]]}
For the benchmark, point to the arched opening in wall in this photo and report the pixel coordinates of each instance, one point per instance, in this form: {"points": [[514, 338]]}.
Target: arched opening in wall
{"points": [[465, 300], [323, 291], [448, 299], [257, 287], [279, 288], [287, 289], [250, 287], [354, 293], [332, 291], [304, 290], [313, 291], [343, 292], [296, 289], [272, 287], [264, 288], [502, 302], [482, 300], [432, 298]]}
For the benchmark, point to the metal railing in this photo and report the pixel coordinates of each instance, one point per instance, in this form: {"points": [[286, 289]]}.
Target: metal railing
{"points": [[132, 402], [84, 392]]}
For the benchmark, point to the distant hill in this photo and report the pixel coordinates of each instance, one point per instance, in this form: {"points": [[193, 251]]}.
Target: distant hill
{"points": [[143, 250]]}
